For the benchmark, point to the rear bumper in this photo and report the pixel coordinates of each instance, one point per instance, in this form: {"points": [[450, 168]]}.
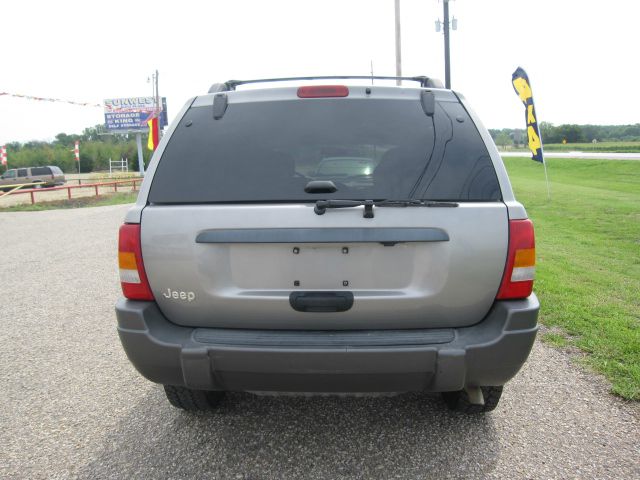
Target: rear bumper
{"points": [[488, 353]]}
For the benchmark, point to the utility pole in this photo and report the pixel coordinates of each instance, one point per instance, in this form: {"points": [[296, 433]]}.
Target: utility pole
{"points": [[157, 100], [398, 44], [447, 65]]}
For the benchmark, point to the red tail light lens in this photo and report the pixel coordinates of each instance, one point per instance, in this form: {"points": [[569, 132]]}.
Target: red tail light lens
{"points": [[320, 91], [517, 281], [133, 278]]}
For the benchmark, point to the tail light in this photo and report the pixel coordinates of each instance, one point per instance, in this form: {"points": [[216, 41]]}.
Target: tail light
{"points": [[517, 281], [320, 91], [133, 278]]}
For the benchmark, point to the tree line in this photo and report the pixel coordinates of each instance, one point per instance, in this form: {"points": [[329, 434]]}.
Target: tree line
{"points": [[569, 133], [96, 149]]}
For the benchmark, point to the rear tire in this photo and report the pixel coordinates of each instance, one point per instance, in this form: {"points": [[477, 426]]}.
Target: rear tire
{"points": [[459, 401], [192, 400]]}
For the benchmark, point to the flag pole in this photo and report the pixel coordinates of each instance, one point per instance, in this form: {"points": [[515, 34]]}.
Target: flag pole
{"points": [[3, 157], [546, 176], [76, 153], [544, 164]]}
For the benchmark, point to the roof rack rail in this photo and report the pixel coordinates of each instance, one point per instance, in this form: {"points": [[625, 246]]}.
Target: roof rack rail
{"points": [[425, 82]]}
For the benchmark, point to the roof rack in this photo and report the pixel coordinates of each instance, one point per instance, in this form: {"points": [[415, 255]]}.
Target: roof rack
{"points": [[229, 85]]}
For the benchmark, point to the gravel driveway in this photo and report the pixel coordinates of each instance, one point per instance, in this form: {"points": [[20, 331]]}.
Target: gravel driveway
{"points": [[76, 408]]}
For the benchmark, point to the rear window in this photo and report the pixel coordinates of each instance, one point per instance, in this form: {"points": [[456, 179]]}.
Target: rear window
{"points": [[40, 171], [370, 148]]}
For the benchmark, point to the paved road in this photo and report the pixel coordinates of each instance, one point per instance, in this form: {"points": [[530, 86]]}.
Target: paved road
{"points": [[74, 407]]}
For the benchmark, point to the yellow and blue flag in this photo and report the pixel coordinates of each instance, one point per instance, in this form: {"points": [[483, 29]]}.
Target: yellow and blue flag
{"points": [[522, 87]]}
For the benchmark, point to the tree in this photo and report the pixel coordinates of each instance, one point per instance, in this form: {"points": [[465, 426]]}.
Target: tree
{"points": [[632, 131], [503, 139], [549, 133], [63, 139], [571, 133]]}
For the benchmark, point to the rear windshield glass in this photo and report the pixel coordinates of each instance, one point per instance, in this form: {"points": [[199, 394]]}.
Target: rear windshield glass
{"points": [[369, 148]]}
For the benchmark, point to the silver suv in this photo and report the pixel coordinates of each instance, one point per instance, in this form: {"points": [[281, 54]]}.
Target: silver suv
{"points": [[33, 177], [253, 262]]}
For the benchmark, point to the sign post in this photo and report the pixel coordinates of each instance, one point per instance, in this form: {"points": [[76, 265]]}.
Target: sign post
{"points": [[140, 156]]}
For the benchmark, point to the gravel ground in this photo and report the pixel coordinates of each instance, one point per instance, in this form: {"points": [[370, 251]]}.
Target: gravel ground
{"points": [[77, 409]]}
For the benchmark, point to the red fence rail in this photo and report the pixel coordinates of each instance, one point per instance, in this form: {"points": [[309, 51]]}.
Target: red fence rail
{"points": [[32, 191]]}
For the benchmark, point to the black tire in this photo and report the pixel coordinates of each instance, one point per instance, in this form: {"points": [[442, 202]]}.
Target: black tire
{"points": [[459, 401], [192, 400]]}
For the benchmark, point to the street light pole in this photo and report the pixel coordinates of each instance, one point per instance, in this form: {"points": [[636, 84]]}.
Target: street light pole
{"points": [[447, 65], [156, 99]]}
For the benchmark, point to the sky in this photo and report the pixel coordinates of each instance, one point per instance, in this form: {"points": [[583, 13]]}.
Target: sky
{"points": [[581, 56]]}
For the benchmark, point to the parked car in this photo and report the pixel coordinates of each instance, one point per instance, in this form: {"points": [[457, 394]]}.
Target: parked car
{"points": [[251, 263], [351, 171], [42, 177]]}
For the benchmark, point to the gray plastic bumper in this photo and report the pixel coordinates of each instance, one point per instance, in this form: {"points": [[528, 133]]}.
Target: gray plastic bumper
{"points": [[488, 353]]}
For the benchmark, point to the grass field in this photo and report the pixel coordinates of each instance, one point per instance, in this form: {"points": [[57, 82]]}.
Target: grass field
{"points": [[588, 259], [615, 147], [593, 147]]}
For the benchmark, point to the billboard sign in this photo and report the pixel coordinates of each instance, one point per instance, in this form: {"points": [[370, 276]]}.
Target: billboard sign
{"points": [[132, 114]]}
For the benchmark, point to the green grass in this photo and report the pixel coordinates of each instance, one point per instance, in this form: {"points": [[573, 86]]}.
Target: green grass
{"points": [[593, 147], [615, 147], [99, 201], [588, 259]]}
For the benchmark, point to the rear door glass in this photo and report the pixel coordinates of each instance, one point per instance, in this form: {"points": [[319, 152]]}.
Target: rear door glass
{"points": [[370, 148], [22, 172], [40, 171]]}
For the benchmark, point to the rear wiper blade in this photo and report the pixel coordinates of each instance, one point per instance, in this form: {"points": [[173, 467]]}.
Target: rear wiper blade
{"points": [[415, 203], [322, 205]]}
